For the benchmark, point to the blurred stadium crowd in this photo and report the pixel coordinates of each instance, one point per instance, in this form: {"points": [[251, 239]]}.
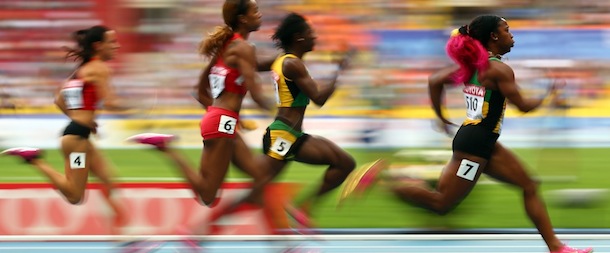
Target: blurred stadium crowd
{"points": [[399, 43]]}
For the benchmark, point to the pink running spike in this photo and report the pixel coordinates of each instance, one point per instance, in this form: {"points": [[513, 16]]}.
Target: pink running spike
{"points": [[566, 249], [299, 216], [24, 152], [160, 141], [370, 175]]}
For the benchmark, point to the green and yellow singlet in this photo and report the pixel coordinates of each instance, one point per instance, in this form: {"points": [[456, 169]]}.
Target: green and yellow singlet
{"points": [[287, 94], [484, 107]]}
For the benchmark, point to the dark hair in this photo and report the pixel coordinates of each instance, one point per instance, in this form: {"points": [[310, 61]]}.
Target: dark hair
{"points": [[85, 39], [467, 49], [231, 9], [284, 34], [482, 26]]}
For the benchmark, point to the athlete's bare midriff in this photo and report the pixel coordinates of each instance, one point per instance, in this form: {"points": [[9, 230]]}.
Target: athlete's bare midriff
{"points": [[83, 117], [293, 116], [229, 101]]}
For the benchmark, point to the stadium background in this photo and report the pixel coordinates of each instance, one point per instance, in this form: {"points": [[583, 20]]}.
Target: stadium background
{"points": [[381, 108]]}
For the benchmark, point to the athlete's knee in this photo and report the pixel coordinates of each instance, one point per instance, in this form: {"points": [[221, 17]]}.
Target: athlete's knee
{"points": [[209, 199], [530, 186], [75, 198], [348, 163], [443, 205]]}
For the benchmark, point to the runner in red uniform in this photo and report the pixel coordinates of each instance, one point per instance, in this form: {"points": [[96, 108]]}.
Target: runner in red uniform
{"points": [[79, 98], [230, 75]]}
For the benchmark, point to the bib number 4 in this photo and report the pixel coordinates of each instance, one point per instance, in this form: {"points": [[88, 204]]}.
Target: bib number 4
{"points": [[77, 160]]}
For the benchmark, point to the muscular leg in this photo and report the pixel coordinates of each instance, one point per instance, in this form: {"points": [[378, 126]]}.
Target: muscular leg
{"points": [[451, 188], [103, 171], [505, 167], [213, 167], [72, 185], [318, 150], [254, 166]]}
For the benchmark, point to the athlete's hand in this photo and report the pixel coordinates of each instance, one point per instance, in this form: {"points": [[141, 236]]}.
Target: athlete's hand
{"points": [[556, 85], [247, 125], [445, 126], [346, 59]]}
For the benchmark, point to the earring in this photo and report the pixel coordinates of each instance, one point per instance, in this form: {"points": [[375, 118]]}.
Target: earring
{"points": [[300, 39]]}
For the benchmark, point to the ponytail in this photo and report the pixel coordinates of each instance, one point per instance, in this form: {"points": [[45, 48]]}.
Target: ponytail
{"points": [[85, 39], [468, 53], [211, 46]]}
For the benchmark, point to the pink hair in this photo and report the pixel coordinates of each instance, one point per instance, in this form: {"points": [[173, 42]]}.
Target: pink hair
{"points": [[469, 54]]}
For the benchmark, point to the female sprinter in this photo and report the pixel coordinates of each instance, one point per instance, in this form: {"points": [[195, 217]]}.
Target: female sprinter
{"points": [[488, 82], [284, 139], [78, 98], [231, 74]]}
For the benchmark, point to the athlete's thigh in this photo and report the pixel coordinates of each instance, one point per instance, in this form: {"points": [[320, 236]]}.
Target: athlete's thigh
{"points": [[506, 167], [100, 167], [319, 150], [215, 158], [460, 175], [244, 159], [77, 159]]}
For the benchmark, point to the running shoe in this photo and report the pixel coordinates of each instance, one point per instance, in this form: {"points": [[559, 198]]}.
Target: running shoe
{"points": [[566, 249], [27, 154], [160, 141], [362, 179], [299, 216]]}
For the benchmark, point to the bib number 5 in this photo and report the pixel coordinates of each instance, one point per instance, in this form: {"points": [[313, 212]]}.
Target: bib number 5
{"points": [[281, 146]]}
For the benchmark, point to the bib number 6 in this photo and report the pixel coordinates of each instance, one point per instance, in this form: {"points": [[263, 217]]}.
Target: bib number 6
{"points": [[227, 124]]}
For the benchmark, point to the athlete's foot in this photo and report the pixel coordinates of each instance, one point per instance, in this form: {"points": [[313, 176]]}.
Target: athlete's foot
{"points": [[369, 175], [566, 249], [27, 154], [362, 179], [141, 246], [190, 242], [160, 141], [299, 216]]}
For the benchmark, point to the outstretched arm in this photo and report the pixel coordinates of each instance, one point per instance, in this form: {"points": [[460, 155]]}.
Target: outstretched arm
{"points": [[505, 77], [436, 83]]}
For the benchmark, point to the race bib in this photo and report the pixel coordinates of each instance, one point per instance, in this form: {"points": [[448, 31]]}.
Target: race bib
{"points": [[218, 84], [276, 86], [475, 98], [72, 93], [468, 170], [281, 146], [217, 78], [227, 124], [77, 160]]}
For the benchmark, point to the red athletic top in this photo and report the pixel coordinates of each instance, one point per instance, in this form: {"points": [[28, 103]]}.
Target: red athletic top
{"points": [[79, 95], [224, 78]]}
